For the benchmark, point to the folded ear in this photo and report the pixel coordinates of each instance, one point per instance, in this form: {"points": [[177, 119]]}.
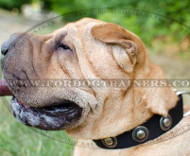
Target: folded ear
{"points": [[161, 100], [134, 50], [161, 97]]}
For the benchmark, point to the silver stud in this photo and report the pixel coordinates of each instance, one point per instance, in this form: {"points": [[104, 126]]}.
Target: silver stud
{"points": [[110, 142], [140, 134], [165, 123]]}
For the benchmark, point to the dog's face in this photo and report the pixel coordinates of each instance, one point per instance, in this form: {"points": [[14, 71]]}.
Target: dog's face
{"points": [[85, 50]]}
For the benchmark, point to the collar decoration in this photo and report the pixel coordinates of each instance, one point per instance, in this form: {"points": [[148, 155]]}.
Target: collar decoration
{"points": [[153, 128]]}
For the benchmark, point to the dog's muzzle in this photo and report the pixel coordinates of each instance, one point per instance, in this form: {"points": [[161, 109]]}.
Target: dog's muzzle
{"points": [[58, 116]]}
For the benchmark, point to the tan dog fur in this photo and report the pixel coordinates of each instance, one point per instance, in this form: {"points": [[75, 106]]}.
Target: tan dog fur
{"points": [[103, 51], [104, 45], [132, 106]]}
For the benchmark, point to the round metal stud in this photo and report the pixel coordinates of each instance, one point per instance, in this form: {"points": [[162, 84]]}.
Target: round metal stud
{"points": [[140, 134], [110, 142], [166, 123]]}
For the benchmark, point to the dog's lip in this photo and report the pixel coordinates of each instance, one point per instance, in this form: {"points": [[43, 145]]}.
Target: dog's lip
{"points": [[55, 117], [61, 115]]}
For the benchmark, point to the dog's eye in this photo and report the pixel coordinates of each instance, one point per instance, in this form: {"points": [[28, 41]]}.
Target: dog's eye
{"points": [[63, 46]]}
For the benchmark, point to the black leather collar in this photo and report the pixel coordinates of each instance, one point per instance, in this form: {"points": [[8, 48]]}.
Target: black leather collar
{"points": [[153, 128]]}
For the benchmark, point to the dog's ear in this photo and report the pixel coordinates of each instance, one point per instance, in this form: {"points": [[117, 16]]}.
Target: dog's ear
{"points": [[134, 49], [161, 97]]}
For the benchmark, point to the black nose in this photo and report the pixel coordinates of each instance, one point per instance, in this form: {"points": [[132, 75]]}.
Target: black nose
{"points": [[6, 46]]}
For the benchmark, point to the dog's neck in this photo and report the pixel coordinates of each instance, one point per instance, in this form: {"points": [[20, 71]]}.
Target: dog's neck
{"points": [[143, 103], [127, 113], [155, 127], [123, 111]]}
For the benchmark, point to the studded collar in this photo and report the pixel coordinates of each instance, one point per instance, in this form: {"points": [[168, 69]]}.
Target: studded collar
{"points": [[151, 129]]}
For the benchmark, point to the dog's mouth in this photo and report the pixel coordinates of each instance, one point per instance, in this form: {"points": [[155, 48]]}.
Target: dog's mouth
{"points": [[57, 116]]}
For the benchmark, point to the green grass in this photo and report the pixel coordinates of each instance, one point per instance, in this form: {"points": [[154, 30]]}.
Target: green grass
{"points": [[17, 139]]}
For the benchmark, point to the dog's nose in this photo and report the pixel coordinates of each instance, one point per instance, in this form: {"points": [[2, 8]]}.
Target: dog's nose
{"points": [[6, 46]]}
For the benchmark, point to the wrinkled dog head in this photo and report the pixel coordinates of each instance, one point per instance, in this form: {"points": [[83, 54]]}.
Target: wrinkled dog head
{"points": [[86, 50]]}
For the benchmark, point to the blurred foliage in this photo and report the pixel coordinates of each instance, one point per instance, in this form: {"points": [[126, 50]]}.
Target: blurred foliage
{"points": [[153, 25], [11, 4]]}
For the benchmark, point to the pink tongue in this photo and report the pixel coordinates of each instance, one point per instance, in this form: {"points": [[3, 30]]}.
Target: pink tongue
{"points": [[4, 90]]}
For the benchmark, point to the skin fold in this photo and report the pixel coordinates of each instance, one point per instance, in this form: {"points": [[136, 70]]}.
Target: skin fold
{"points": [[97, 50]]}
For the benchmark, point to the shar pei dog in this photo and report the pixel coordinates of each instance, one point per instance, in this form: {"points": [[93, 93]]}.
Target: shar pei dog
{"points": [[107, 120]]}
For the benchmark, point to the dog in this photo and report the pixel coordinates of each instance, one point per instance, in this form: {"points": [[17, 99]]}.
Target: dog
{"points": [[91, 49]]}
